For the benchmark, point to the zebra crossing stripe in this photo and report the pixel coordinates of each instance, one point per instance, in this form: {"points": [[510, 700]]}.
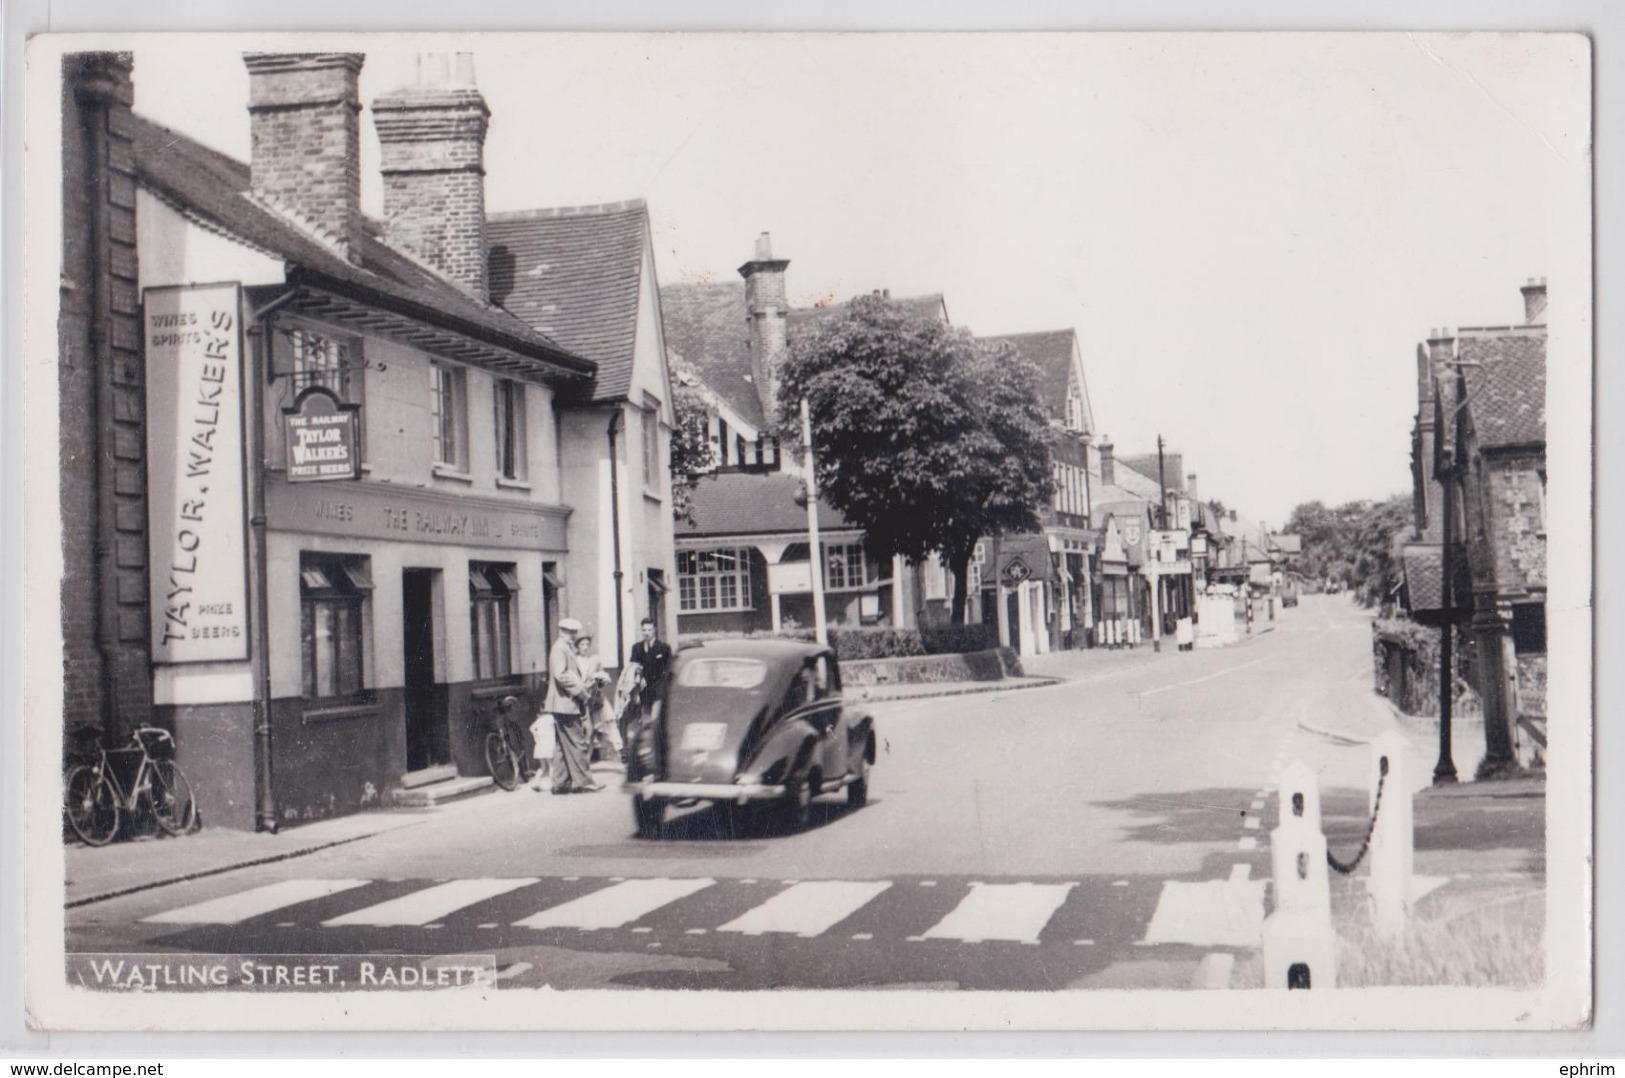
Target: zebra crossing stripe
{"points": [[807, 909], [616, 905], [1002, 911], [429, 905], [256, 902]]}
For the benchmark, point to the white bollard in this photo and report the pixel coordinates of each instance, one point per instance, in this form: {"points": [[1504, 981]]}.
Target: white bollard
{"points": [[1300, 949], [1392, 853]]}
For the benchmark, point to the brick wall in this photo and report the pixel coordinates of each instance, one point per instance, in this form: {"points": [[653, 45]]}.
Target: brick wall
{"points": [[432, 156], [102, 405], [1517, 528], [305, 124]]}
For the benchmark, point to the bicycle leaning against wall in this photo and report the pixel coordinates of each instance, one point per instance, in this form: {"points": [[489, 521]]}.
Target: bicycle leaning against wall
{"points": [[95, 801], [506, 756]]}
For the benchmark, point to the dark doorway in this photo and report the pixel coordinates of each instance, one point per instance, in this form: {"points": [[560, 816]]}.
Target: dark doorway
{"points": [[428, 735], [657, 600]]}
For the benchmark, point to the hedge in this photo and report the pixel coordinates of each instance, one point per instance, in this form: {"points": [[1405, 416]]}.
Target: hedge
{"points": [[877, 643]]}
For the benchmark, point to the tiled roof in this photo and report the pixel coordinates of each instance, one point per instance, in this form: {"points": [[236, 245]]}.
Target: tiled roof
{"points": [[705, 328], [804, 319], [1424, 576], [1145, 464], [215, 188], [1507, 390], [1137, 483], [1051, 352], [575, 275], [753, 503]]}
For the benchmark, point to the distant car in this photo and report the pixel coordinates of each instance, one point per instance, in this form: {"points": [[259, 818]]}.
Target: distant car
{"points": [[746, 722]]}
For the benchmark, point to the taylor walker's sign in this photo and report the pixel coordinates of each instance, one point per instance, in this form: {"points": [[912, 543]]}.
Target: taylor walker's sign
{"points": [[322, 437], [280, 972], [195, 455]]}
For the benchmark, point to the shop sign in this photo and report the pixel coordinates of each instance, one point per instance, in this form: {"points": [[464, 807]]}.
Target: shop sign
{"points": [[322, 437], [383, 511], [198, 577]]}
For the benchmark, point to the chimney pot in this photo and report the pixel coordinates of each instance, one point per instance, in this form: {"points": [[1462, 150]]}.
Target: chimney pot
{"points": [[1534, 301], [1108, 463], [764, 248]]}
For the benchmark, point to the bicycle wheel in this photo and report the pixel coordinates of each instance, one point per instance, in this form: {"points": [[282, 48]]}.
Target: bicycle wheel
{"points": [[500, 760], [91, 805], [169, 795]]}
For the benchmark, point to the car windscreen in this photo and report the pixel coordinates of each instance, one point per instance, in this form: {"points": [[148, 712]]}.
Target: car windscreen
{"points": [[720, 673]]}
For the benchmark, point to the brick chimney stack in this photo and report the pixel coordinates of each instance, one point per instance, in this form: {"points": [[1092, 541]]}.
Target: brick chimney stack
{"points": [[1534, 301], [1108, 463], [1441, 351], [432, 155], [304, 114], [768, 313], [1190, 487]]}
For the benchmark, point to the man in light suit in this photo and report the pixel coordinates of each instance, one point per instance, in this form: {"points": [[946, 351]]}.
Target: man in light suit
{"points": [[566, 690]]}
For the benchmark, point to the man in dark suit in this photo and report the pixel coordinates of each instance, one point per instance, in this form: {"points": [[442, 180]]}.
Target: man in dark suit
{"points": [[653, 657]]}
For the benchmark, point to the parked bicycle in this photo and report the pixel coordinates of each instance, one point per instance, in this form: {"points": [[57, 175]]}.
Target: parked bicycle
{"points": [[506, 756], [96, 802]]}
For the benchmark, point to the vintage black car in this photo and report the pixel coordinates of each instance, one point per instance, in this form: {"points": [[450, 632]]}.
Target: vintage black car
{"points": [[750, 721]]}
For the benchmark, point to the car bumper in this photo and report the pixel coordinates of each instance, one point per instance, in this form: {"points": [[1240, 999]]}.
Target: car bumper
{"points": [[705, 791]]}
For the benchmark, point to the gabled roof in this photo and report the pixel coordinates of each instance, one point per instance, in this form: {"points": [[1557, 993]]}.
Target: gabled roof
{"points": [[805, 319], [1145, 464], [753, 503], [214, 189], [575, 274], [706, 328], [1506, 392], [1054, 354]]}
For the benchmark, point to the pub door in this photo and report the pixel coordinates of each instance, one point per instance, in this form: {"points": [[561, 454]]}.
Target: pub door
{"points": [[428, 733]]}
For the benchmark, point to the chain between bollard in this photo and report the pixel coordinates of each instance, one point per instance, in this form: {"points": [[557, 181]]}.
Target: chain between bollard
{"points": [[1348, 867]]}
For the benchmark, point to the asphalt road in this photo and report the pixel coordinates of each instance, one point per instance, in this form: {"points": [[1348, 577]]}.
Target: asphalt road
{"points": [[1107, 832]]}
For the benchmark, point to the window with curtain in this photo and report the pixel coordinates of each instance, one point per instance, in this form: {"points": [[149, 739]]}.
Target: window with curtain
{"points": [[510, 429], [713, 580], [333, 594], [491, 590], [449, 385]]}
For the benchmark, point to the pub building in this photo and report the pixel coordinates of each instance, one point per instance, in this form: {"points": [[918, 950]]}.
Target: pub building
{"points": [[351, 474]]}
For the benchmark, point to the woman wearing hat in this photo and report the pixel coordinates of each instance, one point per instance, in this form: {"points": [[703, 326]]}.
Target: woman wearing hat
{"points": [[566, 695]]}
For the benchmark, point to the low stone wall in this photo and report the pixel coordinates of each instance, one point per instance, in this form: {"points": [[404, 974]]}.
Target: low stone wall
{"points": [[993, 665]]}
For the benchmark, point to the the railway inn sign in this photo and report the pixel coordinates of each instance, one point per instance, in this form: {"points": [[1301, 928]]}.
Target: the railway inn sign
{"points": [[322, 437]]}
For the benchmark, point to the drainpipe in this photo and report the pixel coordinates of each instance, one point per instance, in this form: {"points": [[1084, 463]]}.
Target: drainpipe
{"points": [[265, 808], [615, 537], [94, 121]]}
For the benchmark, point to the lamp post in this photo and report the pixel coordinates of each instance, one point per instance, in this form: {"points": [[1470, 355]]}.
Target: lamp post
{"points": [[1449, 470], [820, 630]]}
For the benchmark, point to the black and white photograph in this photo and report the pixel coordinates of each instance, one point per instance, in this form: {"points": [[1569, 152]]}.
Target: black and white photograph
{"points": [[808, 531]]}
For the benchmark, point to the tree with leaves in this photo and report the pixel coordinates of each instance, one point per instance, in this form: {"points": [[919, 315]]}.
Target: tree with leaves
{"points": [[925, 437], [692, 455]]}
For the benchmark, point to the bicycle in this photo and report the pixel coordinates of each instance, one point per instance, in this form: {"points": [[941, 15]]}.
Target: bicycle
{"points": [[95, 801], [506, 756]]}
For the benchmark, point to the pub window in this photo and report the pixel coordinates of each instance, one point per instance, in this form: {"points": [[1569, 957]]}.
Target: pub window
{"points": [[450, 387], [333, 594], [491, 590], [713, 580], [510, 429]]}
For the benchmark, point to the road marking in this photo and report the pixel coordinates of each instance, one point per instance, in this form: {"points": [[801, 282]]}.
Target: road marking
{"points": [[696, 932], [514, 970], [431, 904], [1248, 842], [928, 883], [489, 924], [863, 935], [1200, 680], [615, 906], [1119, 883], [1257, 805], [1239, 873], [1250, 823], [255, 902], [1214, 971], [807, 909], [643, 929], [1211, 913], [1083, 943], [1002, 911]]}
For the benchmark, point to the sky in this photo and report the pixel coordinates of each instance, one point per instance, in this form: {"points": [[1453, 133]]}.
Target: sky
{"points": [[1250, 233]]}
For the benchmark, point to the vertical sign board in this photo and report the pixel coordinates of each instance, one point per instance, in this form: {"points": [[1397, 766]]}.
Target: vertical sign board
{"points": [[195, 458]]}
